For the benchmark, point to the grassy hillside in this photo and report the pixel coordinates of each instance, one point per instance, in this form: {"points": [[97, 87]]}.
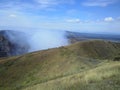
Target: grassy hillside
{"points": [[97, 49], [81, 66], [103, 77]]}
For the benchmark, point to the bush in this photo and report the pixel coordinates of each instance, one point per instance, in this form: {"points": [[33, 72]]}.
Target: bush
{"points": [[117, 58]]}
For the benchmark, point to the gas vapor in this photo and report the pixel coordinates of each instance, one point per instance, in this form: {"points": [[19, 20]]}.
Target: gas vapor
{"points": [[38, 39]]}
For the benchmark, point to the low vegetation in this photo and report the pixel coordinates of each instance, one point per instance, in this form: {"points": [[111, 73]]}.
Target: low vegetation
{"points": [[81, 66], [104, 77]]}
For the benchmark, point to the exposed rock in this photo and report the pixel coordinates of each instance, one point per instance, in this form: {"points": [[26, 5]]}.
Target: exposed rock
{"points": [[4, 47], [11, 44]]}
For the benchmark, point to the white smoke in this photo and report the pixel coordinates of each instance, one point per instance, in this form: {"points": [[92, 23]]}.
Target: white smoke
{"points": [[44, 39], [41, 39]]}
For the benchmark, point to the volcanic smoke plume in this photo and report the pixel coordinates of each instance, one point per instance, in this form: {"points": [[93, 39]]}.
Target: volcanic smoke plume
{"points": [[19, 42]]}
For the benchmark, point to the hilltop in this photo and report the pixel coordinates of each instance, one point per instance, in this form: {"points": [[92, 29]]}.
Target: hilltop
{"points": [[85, 65]]}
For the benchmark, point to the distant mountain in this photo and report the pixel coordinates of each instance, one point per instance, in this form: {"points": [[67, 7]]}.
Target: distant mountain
{"points": [[11, 43], [76, 36], [86, 65]]}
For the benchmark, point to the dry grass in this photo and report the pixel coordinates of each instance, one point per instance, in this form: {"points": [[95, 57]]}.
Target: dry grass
{"points": [[104, 77], [59, 68]]}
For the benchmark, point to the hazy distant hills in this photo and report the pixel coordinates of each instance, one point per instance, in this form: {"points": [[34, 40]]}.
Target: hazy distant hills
{"points": [[85, 65], [76, 36]]}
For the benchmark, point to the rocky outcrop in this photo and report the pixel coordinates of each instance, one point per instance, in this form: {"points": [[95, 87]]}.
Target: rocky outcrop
{"points": [[4, 47], [11, 44]]}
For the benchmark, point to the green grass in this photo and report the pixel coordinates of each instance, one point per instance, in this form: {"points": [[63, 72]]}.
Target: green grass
{"points": [[103, 77], [74, 67], [96, 49]]}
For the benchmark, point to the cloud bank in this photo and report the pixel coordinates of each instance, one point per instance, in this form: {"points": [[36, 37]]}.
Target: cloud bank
{"points": [[101, 3], [109, 19]]}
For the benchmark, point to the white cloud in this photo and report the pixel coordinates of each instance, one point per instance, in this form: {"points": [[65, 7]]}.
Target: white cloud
{"points": [[108, 19], [52, 3], [34, 4], [12, 15], [47, 3], [101, 3], [73, 20]]}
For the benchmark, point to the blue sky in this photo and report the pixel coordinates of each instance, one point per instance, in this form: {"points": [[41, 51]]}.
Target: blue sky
{"points": [[74, 15]]}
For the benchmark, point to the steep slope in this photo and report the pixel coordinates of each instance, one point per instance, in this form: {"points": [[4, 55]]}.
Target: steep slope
{"points": [[59, 64]]}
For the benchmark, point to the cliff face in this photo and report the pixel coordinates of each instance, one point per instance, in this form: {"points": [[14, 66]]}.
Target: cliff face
{"points": [[4, 46], [11, 46]]}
